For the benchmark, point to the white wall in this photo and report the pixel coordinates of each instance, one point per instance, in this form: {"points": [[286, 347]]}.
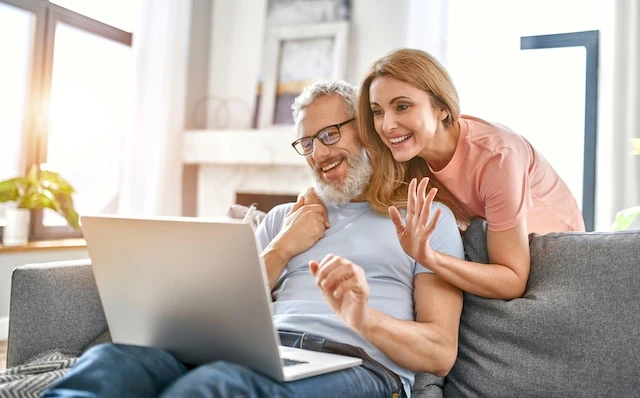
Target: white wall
{"points": [[376, 28], [391, 24], [237, 31], [9, 261]]}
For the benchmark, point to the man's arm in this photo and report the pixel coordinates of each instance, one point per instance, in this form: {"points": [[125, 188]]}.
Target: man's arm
{"points": [[275, 260], [429, 344]]}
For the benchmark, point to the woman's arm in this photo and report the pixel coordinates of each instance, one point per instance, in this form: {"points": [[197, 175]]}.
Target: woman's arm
{"points": [[311, 198], [505, 278]]}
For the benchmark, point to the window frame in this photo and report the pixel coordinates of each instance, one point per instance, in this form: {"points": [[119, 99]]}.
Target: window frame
{"points": [[36, 127], [590, 40]]}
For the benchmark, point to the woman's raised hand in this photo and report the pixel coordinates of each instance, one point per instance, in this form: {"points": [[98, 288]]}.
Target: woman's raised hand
{"points": [[311, 198], [414, 235]]}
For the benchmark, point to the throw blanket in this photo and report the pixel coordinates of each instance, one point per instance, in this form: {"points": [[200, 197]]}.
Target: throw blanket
{"points": [[30, 379]]}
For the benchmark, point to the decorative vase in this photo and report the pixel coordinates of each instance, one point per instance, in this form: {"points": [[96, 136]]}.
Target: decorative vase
{"points": [[16, 231]]}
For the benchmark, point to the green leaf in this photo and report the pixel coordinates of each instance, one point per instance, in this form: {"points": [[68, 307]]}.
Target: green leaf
{"points": [[41, 200], [9, 189], [56, 182], [625, 218], [72, 217], [41, 189]]}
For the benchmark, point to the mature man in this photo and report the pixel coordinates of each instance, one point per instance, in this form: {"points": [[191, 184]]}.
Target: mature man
{"points": [[341, 283]]}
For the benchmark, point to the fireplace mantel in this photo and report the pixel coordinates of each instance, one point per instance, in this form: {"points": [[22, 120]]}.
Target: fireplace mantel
{"points": [[248, 161], [271, 146]]}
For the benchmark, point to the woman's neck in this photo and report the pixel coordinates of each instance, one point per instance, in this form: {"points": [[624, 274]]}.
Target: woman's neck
{"points": [[441, 149]]}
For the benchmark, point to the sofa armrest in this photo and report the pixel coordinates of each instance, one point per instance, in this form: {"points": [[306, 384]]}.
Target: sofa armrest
{"points": [[54, 306]]}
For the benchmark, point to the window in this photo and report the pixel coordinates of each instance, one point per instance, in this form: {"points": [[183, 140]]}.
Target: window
{"points": [[16, 43], [541, 92], [568, 68], [68, 67]]}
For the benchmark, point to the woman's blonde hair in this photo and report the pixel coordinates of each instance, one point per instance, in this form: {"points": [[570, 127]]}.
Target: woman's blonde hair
{"points": [[389, 182]]}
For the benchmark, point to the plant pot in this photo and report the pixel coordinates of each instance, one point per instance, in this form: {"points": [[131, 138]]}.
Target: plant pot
{"points": [[16, 231]]}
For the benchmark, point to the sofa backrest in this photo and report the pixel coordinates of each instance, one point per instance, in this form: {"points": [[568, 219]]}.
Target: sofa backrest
{"points": [[576, 331]]}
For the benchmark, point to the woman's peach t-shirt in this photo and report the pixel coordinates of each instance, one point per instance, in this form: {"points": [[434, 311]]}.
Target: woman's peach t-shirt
{"points": [[497, 175]]}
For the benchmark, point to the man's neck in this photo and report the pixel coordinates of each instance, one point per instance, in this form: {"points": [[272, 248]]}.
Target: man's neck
{"points": [[360, 198]]}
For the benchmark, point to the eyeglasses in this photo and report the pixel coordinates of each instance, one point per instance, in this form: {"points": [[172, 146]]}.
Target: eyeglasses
{"points": [[328, 136]]}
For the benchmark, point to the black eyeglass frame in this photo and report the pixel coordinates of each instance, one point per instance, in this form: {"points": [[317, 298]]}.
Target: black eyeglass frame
{"points": [[317, 135]]}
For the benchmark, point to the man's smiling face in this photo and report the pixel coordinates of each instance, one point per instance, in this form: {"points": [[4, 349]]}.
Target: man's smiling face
{"points": [[341, 170]]}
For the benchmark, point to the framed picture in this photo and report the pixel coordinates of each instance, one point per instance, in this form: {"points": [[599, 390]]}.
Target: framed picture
{"points": [[296, 56]]}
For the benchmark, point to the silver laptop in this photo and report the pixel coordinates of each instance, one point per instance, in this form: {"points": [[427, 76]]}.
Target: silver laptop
{"points": [[196, 288]]}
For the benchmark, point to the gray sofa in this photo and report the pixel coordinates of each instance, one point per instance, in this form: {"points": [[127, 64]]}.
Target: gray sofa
{"points": [[576, 331]]}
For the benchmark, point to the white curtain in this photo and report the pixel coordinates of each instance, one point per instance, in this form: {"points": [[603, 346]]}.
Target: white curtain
{"points": [[626, 105], [152, 172]]}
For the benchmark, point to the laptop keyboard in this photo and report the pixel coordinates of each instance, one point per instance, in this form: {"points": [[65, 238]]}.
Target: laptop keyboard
{"points": [[290, 362]]}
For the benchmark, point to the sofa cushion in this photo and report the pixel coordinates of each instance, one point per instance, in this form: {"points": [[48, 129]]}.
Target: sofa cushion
{"points": [[576, 331]]}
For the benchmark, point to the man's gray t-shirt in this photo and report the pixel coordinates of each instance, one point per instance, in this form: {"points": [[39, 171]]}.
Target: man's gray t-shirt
{"points": [[369, 240]]}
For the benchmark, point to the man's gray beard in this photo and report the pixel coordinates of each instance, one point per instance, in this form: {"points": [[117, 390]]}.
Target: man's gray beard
{"points": [[358, 175]]}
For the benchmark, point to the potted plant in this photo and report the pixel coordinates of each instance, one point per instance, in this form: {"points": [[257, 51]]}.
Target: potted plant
{"points": [[39, 189], [626, 217]]}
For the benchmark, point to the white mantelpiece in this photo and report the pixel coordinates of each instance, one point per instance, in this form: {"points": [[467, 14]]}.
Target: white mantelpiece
{"points": [[253, 161]]}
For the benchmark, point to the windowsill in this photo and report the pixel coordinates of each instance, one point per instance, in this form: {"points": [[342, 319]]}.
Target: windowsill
{"points": [[59, 244]]}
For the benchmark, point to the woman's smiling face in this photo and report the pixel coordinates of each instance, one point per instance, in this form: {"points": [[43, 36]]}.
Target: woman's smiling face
{"points": [[404, 116]]}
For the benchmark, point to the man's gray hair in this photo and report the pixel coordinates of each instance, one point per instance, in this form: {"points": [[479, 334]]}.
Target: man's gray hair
{"points": [[320, 89]]}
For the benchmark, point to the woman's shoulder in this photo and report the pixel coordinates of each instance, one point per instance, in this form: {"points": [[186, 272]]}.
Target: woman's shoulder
{"points": [[490, 136]]}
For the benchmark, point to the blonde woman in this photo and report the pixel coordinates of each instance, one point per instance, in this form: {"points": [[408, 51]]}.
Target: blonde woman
{"points": [[409, 120]]}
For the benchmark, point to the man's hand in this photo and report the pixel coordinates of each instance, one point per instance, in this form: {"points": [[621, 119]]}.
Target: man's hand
{"points": [[311, 198], [414, 236], [303, 226], [344, 287]]}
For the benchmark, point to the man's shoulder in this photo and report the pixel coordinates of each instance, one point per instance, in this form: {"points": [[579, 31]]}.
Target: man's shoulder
{"points": [[280, 211], [439, 205], [447, 213], [282, 208], [272, 223]]}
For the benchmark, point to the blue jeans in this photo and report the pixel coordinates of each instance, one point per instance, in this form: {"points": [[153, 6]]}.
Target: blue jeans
{"points": [[115, 370]]}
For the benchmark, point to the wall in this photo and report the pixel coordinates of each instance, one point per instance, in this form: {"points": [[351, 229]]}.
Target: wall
{"points": [[234, 65], [375, 30], [9, 261], [197, 84], [237, 32]]}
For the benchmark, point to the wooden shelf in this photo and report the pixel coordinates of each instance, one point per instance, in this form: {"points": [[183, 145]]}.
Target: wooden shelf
{"points": [[60, 244]]}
